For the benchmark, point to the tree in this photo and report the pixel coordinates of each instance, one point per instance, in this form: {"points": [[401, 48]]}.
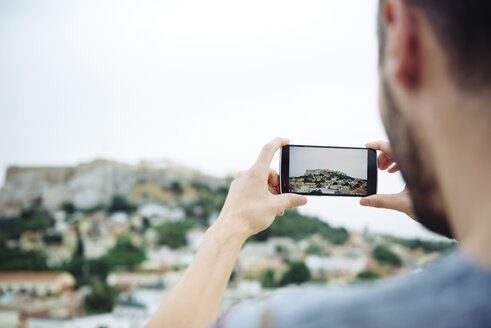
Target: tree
{"points": [[176, 188], [33, 218], [298, 226], [52, 238], [367, 275], [426, 245], [385, 256], [124, 254], [296, 273], [267, 279], [314, 249], [173, 234], [68, 207], [120, 203], [16, 259], [79, 248], [101, 297], [84, 270]]}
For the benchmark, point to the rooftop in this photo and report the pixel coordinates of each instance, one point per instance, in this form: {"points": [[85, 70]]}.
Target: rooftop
{"points": [[29, 275]]}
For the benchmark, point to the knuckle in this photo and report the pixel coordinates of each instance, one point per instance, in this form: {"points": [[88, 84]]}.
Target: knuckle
{"points": [[290, 200]]}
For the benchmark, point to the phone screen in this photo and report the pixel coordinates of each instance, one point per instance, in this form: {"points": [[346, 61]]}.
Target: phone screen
{"points": [[328, 171]]}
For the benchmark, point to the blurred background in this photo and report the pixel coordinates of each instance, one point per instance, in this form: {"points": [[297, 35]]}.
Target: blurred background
{"points": [[123, 121]]}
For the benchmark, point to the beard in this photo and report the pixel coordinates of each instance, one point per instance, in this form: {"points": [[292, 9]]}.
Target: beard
{"points": [[408, 152]]}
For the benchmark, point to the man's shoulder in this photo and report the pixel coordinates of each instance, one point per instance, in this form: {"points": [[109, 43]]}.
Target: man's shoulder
{"points": [[453, 292]]}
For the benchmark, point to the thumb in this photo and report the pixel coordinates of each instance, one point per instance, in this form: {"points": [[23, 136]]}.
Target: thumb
{"points": [[389, 201], [290, 201]]}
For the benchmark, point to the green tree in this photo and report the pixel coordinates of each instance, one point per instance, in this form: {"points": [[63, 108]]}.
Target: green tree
{"points": [[173, 234], [68, 207], [367, 275], [296, 273], [124, 254], [314, 249], [16, 259], [267, 279], [176, 188], [101, 297], [119, 203], [385, 256], [299, 226], [426, 245], [33, 218], [84, 270], [52, 238]]}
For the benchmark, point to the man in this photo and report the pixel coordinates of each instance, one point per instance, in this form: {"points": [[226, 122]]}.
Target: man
{"points": [[435, 73]]}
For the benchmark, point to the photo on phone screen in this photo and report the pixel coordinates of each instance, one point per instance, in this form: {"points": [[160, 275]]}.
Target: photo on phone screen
{"points": [[331, 171]]}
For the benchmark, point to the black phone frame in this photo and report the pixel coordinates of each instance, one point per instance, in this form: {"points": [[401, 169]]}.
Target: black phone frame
{"points": [[372, 170]]}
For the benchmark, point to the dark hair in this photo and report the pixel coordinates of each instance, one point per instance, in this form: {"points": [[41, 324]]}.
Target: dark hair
{"points": [[463, 28]]}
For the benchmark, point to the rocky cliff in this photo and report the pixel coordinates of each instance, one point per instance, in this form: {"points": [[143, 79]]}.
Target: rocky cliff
{"points": [[94, 183]]}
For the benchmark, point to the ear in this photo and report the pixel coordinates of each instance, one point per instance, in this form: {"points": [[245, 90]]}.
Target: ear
{"points": [[402, 51]]}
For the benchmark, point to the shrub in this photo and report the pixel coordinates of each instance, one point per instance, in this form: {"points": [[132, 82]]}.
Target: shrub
{"points": [[296, 273], [385, 256]]}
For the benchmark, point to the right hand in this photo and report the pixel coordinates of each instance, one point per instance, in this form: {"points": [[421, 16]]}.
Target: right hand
{"points": [[254, 201], [401, 201]]}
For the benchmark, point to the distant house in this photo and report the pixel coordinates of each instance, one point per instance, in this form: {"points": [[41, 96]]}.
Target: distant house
{"points": [[39, 283], [335, 266], [125, 280]]}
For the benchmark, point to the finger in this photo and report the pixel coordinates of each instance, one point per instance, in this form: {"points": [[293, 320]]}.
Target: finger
{"points": [[383, 146], [281, 213], [389, 201], [274, 190], [274, 178], [268, 151], [384, 161], [394, 168], [287, 201]]}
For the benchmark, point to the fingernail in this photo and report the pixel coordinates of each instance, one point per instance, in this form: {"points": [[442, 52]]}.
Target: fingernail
{"points": [[302, 201], [364, 202]]}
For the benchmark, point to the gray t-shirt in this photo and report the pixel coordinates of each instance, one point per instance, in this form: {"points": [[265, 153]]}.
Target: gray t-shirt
{"points": [[453, 292]]}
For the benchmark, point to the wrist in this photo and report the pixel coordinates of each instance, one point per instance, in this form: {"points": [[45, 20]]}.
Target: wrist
{"points": [[226, 233]]}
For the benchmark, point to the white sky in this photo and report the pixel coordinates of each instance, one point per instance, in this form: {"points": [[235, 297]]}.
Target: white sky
{"points": [[205, 83], [353, 162]]}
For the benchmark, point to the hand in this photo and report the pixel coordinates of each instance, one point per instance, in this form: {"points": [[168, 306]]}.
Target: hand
{"points": [[401, 201], [254, 201]]}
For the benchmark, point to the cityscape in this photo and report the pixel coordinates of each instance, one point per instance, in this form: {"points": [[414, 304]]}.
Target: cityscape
{"points": [[328, 182], [100, 244]]}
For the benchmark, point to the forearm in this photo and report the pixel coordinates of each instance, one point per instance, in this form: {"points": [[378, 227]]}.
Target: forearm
{"points": [[251, 206], [195, 300]]}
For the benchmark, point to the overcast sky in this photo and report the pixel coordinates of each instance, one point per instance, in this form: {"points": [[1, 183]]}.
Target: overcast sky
{"points": [[353, 162], [204, 83]]}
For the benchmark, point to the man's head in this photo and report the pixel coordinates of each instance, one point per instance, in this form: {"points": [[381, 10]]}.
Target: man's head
{"points": [[429, 49]]}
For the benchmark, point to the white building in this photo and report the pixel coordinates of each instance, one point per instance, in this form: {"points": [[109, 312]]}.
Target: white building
{"points": [[335, 265]]}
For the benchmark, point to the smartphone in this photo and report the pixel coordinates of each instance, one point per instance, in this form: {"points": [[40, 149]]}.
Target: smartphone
{"points": [[328, 171]]}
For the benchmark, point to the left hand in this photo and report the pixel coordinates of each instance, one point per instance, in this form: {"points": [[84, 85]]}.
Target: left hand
{"points": [[401, 201], [254, 201]]}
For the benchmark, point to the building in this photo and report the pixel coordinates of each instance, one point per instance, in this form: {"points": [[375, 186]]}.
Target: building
{"points": [[128, 280], [335, 266], [38, 283]]}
